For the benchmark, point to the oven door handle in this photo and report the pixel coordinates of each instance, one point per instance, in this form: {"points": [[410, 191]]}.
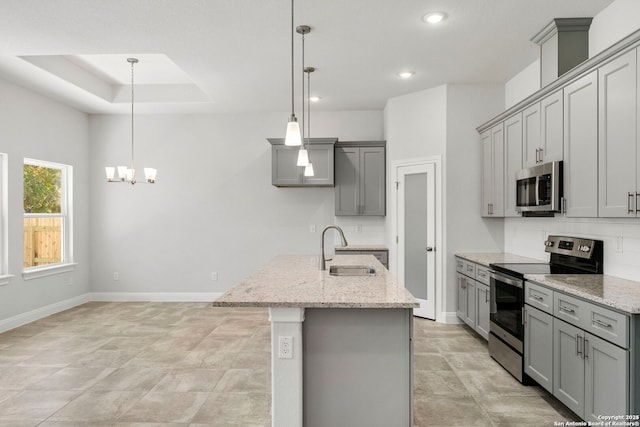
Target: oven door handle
{"points": [[506, 279]]}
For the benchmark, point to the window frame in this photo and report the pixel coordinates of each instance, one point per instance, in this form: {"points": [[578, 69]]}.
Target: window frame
{"points": [[66, 214], [4, 221]]}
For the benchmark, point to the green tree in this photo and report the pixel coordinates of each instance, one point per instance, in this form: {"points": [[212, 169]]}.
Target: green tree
{"points": [[42, 189]]}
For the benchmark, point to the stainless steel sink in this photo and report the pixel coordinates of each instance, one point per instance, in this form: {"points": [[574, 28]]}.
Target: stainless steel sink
{"points": [[351, 270]]}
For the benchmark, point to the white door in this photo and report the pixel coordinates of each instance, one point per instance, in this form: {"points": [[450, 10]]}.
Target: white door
{"points": [[416, 215]]}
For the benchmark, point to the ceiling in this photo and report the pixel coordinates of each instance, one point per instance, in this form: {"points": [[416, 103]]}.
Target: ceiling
{"points": [[229, 56]]}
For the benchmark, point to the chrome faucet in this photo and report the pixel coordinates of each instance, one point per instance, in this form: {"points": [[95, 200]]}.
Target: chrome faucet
{"points": [[323, 265]]}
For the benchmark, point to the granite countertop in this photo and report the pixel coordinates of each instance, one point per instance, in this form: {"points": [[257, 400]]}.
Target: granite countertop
{"points": [[486, 258], [621, 294], [296, 281], [362, 248]]}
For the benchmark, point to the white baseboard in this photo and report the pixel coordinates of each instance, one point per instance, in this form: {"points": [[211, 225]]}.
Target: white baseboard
{"points": [[155, 296], [39, 313], [450, 317]]}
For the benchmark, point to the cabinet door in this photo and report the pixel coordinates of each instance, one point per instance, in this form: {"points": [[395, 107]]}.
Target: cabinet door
{"points": [[530, 135], [347, 188], [617, 120], [538, 346], [487, 172], [372, 181], [513, 161], [493, 172], [581, 147], [284, 171], [482, 310], [462, 296], [568, 375], [551, 128], [321, 155], [470, 315], [606, 378], [497, 135]]}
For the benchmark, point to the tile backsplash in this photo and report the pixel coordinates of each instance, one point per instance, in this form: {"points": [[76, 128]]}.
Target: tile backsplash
{"points": [[621, 237]]}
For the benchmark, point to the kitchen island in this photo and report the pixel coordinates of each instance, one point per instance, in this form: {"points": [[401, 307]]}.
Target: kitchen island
{"points": [[341, 346]]}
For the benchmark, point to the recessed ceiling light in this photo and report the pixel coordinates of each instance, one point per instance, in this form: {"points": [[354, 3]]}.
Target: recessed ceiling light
{"points": [[406, 74], [434, 17], [314, 98]]}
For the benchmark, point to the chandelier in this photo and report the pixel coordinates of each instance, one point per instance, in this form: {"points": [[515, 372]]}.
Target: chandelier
{"points": [[128, 174]]}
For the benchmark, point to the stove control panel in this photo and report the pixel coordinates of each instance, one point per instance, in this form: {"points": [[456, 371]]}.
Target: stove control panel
{"points": [[574, 246]]}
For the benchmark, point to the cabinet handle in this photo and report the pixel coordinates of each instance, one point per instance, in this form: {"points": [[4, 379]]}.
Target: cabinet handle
{"points": [[586, 346], [538, 298], [563, 205], [629, 203], [637, 197], [567, 309], [601, 323], [486, 297], [579, 345], [541, 155], [469, 268], [537, 151]]}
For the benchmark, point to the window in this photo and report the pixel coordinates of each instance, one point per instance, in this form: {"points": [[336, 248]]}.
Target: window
{"points": [[4, 245], [47, 218]]}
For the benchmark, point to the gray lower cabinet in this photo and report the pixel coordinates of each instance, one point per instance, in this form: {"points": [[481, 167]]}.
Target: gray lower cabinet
{"points": [[482, 309], [381, 255], [538, 346], [591, 375], [466, 300], [286, 173], [360, 178]]}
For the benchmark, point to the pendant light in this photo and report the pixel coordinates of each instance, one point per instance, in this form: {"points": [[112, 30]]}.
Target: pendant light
{"points": [[303, 154], [308, 170], [128, 174], [292, 137]]}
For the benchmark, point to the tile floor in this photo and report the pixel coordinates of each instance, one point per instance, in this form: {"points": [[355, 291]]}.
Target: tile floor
{"points": [[189, 364]]}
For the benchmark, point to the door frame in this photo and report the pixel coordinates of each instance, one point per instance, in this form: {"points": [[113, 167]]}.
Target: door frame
{"points": [[440, 249]]}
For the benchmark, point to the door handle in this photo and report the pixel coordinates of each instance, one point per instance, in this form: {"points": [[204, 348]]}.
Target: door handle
{"points": [[430, 249]]}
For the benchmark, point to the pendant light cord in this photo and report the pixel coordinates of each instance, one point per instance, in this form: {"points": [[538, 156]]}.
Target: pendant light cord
{"points": [[132, 155], [292, 68], [303, 114], [309, 109]]}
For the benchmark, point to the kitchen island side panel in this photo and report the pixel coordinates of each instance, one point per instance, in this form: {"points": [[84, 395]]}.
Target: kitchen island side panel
{"points": [[358, 367]]}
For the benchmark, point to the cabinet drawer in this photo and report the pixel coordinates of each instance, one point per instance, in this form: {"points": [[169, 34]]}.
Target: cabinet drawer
{"points": [[539, 297], [607, 324], [460, 264], [569, 309], [482, 274]]}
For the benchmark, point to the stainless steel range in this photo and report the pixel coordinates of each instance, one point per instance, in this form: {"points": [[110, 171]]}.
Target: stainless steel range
{"points": [[569, 255]]}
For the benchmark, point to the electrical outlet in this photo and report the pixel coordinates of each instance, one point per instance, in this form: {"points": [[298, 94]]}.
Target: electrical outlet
{"points": [[116, 276], [285, 347], [214, 275], [619, 244], [359, 228], [312, 228]]}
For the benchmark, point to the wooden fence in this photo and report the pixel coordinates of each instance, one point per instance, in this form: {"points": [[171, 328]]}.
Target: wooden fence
{"points": [[42, 241]]}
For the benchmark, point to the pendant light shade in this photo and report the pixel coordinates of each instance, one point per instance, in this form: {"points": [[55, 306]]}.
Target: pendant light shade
{"points": [[293, 137], [308, 170], [303, 157]]}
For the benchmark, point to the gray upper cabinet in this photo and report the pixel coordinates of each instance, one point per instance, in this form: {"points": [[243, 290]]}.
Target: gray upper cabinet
{"points": [[360, 178], [618, 159], [581, 147], [543, 131], [513, 161], [286, 173], [493, 172]]}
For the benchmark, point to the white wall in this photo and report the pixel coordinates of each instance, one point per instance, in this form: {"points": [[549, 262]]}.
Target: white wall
{"points": [[39, 128], [213, 208], [614, 23], [442, 122], [522, 85], [467, 107]]}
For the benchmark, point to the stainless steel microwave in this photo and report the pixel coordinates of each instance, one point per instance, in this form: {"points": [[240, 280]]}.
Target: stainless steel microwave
{"points": [[539, 188]]}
